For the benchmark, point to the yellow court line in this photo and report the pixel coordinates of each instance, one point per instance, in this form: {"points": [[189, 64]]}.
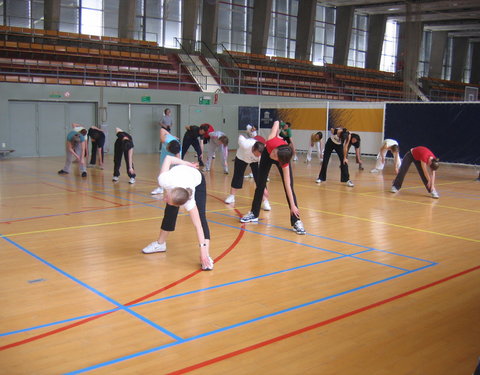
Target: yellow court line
{"points": [[97, 225], [370, 195]]}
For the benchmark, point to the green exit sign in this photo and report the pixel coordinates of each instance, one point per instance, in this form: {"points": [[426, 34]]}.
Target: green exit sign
{"points": [[146, 99], [204, 100]]}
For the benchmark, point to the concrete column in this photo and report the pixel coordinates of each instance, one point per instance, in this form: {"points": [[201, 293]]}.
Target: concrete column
{"points": [[376, 34], [126, 19], [51, 15], [439, 45], [305, 28], [459, 56], [475, 72], [209, 23], [189, 24], [343, 32], [262, 15]]}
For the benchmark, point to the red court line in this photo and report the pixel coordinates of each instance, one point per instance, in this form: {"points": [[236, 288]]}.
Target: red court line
{"points": [[140, 299], [317, 325]]}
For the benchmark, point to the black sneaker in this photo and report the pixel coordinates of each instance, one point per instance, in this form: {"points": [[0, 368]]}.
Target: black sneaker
{"points": [[61, 171], [84, 174]]}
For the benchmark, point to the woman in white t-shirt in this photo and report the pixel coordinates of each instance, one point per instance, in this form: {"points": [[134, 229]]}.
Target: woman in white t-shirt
{"points": [[248, 153], [184, 186], [392, 146]]}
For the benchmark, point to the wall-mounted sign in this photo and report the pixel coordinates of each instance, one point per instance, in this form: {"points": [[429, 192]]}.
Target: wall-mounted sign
{"points": [[146, 99], [204, 100]]}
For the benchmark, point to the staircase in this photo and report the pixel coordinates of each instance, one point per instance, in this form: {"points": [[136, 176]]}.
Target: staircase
{"points": [[200, 73]]}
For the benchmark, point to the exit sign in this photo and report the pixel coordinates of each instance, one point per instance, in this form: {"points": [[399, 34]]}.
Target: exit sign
{"points": [[146, 99]]}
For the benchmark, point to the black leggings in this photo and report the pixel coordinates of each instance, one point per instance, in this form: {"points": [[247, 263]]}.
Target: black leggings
{"points": [[263, 171], [120, 150], [239, 169], [171, 212], [406, 161], [329, 147], [192, 141]]}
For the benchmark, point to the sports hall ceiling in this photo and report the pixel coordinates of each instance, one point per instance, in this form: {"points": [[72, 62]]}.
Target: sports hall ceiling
{"points": [[460, 18]]}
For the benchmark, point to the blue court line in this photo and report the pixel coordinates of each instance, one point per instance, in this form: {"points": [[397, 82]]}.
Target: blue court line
{"points": [[234, 282], [95, 291], [240, 324]]}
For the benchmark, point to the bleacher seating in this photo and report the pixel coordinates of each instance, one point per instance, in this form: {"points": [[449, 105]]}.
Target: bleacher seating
{"points": [[42, 56], [443, 90]]}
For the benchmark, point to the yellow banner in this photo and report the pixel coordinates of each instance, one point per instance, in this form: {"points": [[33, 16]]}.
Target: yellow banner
{"points": [[304, 118], [356, 119]]}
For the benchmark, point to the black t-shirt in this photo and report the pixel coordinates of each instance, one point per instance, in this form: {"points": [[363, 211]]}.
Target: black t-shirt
{"points": [[98, 136], [127, 143], [193, 131], [356, 144]]}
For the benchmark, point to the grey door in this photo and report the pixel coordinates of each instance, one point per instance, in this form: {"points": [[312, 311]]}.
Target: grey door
{"points": [[23, 130], [52, 129]]}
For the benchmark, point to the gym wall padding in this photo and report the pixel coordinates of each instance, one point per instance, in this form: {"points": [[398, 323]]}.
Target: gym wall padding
{"points": [[450, 130]]}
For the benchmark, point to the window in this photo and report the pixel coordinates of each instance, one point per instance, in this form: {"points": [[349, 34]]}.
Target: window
{"points": [[389, 50], [91, 17], [22, 13], [283, 27], [235, 25], [69, 16], [424, 55], [324, 36], [160, 21], [447, 60], [358, 41]]}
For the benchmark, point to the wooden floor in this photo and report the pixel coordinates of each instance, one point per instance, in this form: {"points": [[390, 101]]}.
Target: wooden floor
{"points": [[381, 284]]}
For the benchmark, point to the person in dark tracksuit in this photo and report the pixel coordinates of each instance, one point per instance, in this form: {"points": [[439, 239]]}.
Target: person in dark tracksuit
{"points": [[190, 138], [97, 137], [123, 147], [338, 142]]}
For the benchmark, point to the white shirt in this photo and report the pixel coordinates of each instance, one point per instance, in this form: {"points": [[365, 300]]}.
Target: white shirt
{"points": [[389, 143], [215, 135], [244, 151], [181, 176]]}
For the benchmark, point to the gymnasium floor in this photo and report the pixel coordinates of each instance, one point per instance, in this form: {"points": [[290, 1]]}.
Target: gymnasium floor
{"points": [[381, 284]]}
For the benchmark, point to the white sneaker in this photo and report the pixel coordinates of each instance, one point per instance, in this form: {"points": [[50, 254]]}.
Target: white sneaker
{"points": [[295, 158], [374, 170], [230, 199], [155, 247], [115, 178], [266, 205], [99, 167], [205, 170], [349, 183], [393, 190], [434, 194], [209, 267], [225, 171], [298, 227], [248, 175], [131, 181], [91, 166], [158, 190], [318, 181], [249, 218]]}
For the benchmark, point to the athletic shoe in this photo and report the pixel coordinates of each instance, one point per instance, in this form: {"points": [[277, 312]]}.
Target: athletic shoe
{"points": [[225, 171], [393, 190], [99, 167], [374, 170], [230, 199], [91, 166], [61, 171], [249, 218], [298, 227], [158, 190], [248, 175], [295, 158], [349, 183], [434, 194], [209, 267], [205, 170], [84, 174], [131, 181], [266, 205], [155, 247], [115, 178], [318, 181]]}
